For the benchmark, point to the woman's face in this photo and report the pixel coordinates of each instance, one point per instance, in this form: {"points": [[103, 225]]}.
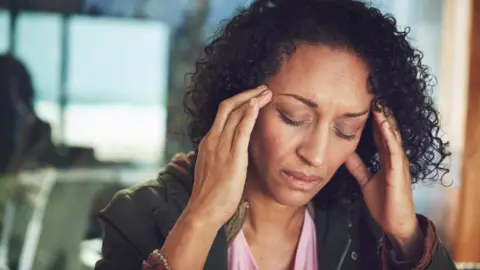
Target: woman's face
{"points": [[318, 111]]}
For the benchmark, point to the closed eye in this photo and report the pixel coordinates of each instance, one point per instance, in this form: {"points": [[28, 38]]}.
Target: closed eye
{"points": [[344, 136], [289, 121]]}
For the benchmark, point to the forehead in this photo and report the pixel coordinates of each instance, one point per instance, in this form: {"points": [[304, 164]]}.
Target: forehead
{"points": [[324, 74]]}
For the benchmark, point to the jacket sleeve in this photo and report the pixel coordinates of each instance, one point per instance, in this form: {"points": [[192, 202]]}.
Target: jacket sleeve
{"points": [[434, 257], [126, 239]]}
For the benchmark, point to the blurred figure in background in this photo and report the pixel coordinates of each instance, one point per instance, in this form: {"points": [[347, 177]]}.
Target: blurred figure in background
{"points": [[25, 144], [25, 140]]}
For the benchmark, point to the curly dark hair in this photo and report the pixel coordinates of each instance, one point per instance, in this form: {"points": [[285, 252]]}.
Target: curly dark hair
{"points": [[251, 45]]}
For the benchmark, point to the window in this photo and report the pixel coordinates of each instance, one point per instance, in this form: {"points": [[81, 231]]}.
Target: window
{"points": [[117, 81], [4, 30]]}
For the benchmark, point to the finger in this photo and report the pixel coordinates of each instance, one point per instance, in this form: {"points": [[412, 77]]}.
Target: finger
{"points": [[241, 135], [248, 112], [378, 138], [358, 169], [244, 129], [234, 117], [393, 146], [393, 124], [230, 104], [381, 145]]}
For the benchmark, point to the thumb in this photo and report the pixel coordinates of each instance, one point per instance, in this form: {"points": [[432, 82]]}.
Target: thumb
{"points": [[358, 169]]}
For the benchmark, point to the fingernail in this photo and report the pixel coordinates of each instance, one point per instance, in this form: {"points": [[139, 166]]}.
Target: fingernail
{"points": [[377, 106], [261, 87], [264, 93]]}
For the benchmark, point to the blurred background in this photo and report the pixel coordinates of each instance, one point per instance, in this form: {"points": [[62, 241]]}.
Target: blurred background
{"points": [[91, 102]]}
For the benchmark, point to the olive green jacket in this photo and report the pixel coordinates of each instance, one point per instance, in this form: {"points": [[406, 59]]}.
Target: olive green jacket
{"points": [[138, 219]]}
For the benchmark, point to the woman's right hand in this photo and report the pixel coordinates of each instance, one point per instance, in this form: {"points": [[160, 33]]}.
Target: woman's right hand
{"points": [[222, 161]]}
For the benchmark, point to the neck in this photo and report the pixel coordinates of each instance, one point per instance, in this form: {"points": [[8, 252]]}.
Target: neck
{"points": [[267, 218]]}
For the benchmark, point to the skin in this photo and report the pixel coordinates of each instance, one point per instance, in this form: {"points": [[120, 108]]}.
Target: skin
{"points": [[253, 141], [336, 82]]}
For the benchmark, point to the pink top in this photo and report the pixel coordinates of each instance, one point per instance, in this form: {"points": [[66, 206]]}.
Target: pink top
{"points": [[240, 257]]}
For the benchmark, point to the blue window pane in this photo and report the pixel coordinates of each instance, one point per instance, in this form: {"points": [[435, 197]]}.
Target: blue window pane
{"points": [[38, 38], [117, 60], [117, 84]]}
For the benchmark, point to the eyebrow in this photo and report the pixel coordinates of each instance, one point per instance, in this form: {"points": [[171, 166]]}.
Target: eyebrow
{"points": [[314, 105], [358, 114], [306, 101]]}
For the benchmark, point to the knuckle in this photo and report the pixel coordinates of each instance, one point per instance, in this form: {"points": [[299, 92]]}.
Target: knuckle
{"points": [[363, 178], [204, 144], [358, 169], [201, 146], [242, 130], [224, 106]]}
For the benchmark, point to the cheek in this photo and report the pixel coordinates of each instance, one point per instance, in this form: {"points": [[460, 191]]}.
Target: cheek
{"points": [[270, 140], [343, 150], [340, 150]]}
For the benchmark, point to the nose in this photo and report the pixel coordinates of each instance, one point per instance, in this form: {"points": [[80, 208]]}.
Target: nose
{"points": [[313, 150]]}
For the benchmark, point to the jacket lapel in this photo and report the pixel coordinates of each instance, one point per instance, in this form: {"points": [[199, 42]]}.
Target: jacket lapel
{"points": [[218, 256], [333, 238]]}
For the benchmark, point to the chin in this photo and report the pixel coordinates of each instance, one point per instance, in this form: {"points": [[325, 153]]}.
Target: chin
{"points": [[291, 198], [291, 194]]}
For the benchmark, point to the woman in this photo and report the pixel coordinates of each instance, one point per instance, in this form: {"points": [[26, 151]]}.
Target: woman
{"points": [[308, 169]]}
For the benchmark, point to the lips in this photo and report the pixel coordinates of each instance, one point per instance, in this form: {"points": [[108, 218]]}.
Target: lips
{"points": [[302, 176], [300, 181]]}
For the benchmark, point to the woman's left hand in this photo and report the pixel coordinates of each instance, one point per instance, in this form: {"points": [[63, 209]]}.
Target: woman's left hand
{"points": [[388, 193]]}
